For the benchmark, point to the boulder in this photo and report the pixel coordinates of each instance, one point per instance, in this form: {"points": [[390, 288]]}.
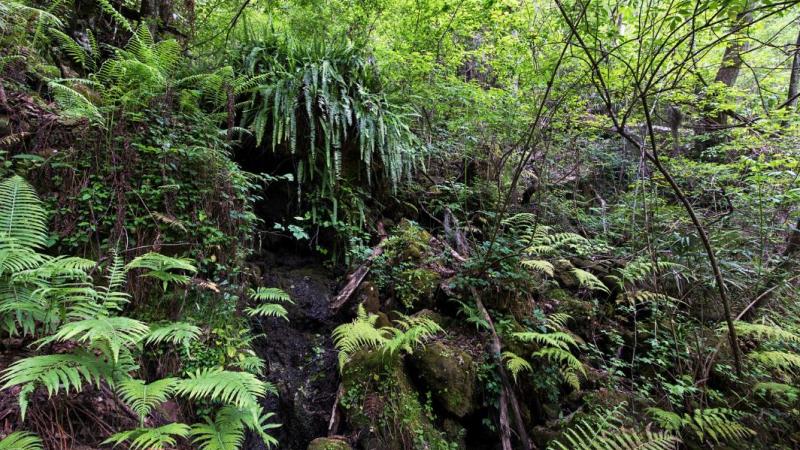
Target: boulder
{"points": [[450, 375], [329, 443]]}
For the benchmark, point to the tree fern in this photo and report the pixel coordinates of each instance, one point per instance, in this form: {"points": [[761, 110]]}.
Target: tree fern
{"points": [[21, 440], [159, 438]]}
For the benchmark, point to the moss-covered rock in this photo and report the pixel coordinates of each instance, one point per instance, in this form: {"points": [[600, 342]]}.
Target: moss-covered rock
{"points": [[380, 399], [329, 443], [449, 373]]}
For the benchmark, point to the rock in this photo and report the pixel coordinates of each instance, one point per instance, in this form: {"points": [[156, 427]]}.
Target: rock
{"points": [[329, 443], [450, 375], [563, 272], [380, 401]]}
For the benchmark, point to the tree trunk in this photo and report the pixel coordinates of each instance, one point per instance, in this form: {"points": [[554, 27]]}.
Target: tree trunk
{"points": [[794, 77], [727, 74]]}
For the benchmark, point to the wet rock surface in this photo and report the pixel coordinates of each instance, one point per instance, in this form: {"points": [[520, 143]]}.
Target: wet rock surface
{"points": [[301, 360]]}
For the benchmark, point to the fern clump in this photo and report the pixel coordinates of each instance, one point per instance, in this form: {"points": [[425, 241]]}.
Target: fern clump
{"points": [[362, 334]]}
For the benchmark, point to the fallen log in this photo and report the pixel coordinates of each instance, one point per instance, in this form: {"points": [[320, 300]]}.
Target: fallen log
{"points": [[356, 277]]}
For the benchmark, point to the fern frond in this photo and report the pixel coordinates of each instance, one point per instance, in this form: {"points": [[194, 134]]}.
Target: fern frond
{"points": [[539, 265], [356, 335], [516, 364], [264, 294], [777, 360], [589, 280], [241, 389], [176, 333], [268, 310], [667, 420], [143, 397], [68, 371], [162, 267], [606, 432], [21, 440], [720, 424], [765, 332], [159, 438], [411, 332], [115, 332], [22, 214], [557, 339]]}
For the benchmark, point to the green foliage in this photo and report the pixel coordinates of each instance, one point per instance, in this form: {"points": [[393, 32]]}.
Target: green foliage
{"points": [[361, 334], [270, 309], [22, 215], [715, 424], [143, 397], [606, 432], [20, 440], [157, 438], [516, 364], [176, 333], [163, 268]]}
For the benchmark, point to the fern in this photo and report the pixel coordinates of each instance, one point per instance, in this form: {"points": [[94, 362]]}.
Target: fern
{"points": [[777, 360], [241, 389], [263, 294], [361, 334], [411, 332], [22, 215], [765, 332], [719, 424], [143, 397], [66, 372], [516, 364], [540, 265], [159, 438], [114, 332], [21, 440], [606, 432], [163, 268], [177, 333], [589, 280]]}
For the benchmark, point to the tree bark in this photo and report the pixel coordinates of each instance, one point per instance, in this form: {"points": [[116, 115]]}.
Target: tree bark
{"points": [[794, 77]]}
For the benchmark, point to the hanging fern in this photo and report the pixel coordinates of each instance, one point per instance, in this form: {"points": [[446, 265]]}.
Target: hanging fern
{"points": [[334, 90]]}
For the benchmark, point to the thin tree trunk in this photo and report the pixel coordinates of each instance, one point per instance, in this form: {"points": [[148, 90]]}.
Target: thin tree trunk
{"points": [[794, 77]]}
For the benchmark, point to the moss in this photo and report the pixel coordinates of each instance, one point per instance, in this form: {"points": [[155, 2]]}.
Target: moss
{"points": [[331, 443], [408, 243], [416, 285], [378, 396], [450, 375]]}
